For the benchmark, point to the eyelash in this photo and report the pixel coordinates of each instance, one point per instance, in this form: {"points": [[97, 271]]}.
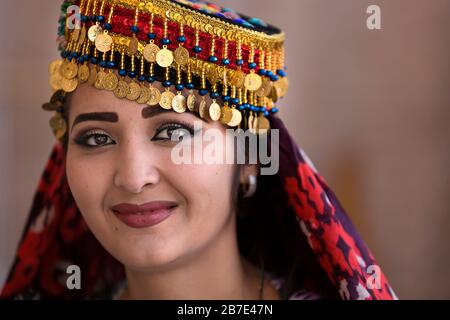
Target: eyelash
{"points": [[84, 137]]}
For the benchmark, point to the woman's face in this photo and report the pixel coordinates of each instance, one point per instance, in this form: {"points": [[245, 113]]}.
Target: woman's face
{"points": [[126, 158]]}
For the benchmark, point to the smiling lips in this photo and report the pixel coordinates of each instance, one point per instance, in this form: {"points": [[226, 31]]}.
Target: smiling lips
{"points": [[145, 215]]}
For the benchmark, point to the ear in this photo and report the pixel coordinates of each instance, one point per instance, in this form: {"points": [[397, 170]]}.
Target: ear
{"points": [[246, 171]]}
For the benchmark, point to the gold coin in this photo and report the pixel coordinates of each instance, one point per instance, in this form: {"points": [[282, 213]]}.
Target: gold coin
{"points": [[166, 100], [94, 31], [103, 42], [57, 98], [226, 114], [99, 80], [82, 35], [69, 85], [150, 52], [214, 111], [191, 102], [252, 81], [83, 73], [57, 122], [144, 96], [236, 118], [133, 46], [121, 90], [181, 56], [265, 88], [134, 91], [60, 133], [213, 75], [274, 94], [69, 70], [155, 96], [54, 66], [55, 81], [179, 103], [164, 58], [110, 81], [92, 76], [282, 86], [202, 109], [48, 106], [263, 125], [237, 79]]}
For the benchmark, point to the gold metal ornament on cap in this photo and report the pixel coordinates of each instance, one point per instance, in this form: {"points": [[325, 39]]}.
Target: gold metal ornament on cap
{"points": [[110, 81], [252, 81], [155, 96], [69, 70], [69, 85], [226, 114], [265, 88], [58, 125], [191, 100], [150, 52], [103, 42], [145, 95], [94, 31], [54, 66], [99, 79], [121, 90], [133, 46], [164, 58], [181, 56], [92, 76], [83, 73], [237, 78], [134, 91], [236, 118], [166, 100], [179, 103], [214, 111], [202, 109]]}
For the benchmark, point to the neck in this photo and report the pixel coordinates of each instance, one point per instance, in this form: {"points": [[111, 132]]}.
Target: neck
{"points": [[217, 272]]}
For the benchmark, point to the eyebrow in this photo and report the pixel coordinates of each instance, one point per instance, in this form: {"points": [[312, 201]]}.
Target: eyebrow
{"points": [[147, 112], [96, 116]]}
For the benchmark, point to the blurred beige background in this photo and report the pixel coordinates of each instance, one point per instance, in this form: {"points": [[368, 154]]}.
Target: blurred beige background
{"points": [[371, 108]]}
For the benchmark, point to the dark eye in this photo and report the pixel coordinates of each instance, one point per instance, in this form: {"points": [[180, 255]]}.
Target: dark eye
{"points": [[93, 140], [174, 132]]}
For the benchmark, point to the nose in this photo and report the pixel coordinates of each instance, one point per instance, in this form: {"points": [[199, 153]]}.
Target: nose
{"points": [[136, 168]]}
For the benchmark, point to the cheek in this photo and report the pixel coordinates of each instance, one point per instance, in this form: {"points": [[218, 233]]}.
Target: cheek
{"points": [[88, 181]]}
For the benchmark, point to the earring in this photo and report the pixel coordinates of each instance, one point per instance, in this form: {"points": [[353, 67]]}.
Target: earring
{"points": [[250, 188]]}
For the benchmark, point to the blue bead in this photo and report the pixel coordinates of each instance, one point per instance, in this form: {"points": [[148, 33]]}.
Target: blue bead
{"points": [[141, 78], [263, 109], [273, 78], [151, 79], [226, 98], [269, 73], [239, 62], [151, 36], [241, 107], [179, 87], [107, 26], [214, 95], [102, 63], [64, 54], [190, 86], [197, 49], [92, 18], [212, 59], [100, 18], [281, 73], [203, 92], [73, 54], [135, 29], [94, 60], [167, 83], [123, 72], [262, 72], [80, 59], [182, 39], [132, 74], [84, 18], [252, 65], [165, 41], [258, 22], [274, 110], [226, 62], [266, 113], [86, 57], [235, 101]]}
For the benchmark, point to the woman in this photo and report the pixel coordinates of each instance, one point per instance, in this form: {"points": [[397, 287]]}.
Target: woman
{"points": [[139, 83]]}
